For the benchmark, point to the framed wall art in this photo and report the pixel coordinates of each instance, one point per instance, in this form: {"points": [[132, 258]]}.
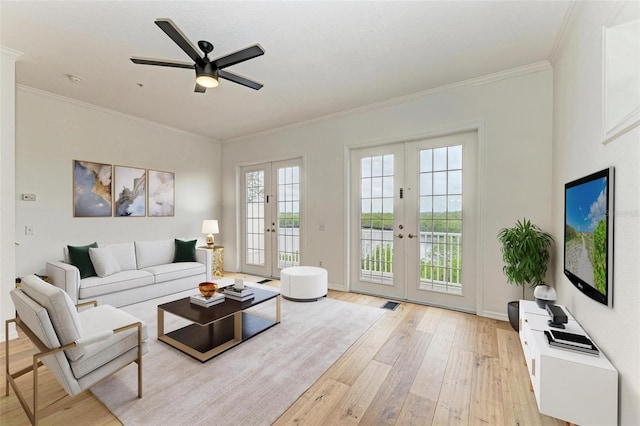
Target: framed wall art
{"points": [[130, 186], [92, 186], [621, 79], [161, 193]]}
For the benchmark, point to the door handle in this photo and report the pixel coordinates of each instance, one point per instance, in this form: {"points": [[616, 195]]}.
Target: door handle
{"points": [[411, 235], [267, 230], [400, 236]]}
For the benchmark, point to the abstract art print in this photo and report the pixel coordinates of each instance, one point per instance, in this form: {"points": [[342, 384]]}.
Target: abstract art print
{"points": [[130, 191], [91, 189], [161, 193]]}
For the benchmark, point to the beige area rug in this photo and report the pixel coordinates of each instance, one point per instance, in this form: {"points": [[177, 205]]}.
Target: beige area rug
{"points": [[251, 384]]}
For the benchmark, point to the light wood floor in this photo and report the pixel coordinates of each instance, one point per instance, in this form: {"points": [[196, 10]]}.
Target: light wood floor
{"points": [[417, 365]]}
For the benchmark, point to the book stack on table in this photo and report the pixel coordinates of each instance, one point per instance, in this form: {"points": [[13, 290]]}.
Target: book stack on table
{"points": [[200, 300], [571, 341], [238, 294]]}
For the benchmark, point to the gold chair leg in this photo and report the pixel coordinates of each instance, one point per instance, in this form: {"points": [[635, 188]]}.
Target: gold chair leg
{"points": [[139, 360], [36, 410], [6, 355]]}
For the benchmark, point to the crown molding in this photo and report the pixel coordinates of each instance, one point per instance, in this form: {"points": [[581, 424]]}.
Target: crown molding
{"points": [[16, 54], [108, 111], [477, 81], [563, 33]]}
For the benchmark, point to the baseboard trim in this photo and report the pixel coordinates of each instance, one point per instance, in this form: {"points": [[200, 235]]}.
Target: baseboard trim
{"points": [[501, 316]]}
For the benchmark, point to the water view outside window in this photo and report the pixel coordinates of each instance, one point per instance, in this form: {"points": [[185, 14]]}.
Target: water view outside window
{"points": [[376, 218], [288, 216], [440, 219], [287, 224]]}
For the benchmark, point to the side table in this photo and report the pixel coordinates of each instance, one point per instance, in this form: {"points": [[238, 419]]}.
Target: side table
{"points": [[217, 260]]}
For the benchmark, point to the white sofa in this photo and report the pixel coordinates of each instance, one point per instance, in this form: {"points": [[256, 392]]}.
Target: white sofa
{"points": [[146, 268]]}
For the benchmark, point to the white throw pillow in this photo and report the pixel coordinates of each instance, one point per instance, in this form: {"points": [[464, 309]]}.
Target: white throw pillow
{"points": [[103, 261]]}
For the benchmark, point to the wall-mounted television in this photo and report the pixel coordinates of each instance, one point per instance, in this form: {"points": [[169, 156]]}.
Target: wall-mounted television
{"points": [[588, 235]]}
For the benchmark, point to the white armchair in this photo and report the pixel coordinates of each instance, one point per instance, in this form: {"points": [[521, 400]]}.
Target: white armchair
{"points": [[79, 348]]}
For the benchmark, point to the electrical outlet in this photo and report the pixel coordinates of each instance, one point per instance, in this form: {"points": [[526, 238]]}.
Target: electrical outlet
{"points": [[320, 263], [29, 230]]}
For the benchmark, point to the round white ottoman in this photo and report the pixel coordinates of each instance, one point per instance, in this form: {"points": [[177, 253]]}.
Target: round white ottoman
{"points": [[303, 283]]}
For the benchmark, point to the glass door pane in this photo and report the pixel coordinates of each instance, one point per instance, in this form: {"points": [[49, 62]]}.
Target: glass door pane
{"points": [[376, 218], [288, 226], [440, 218], [255, 218], [271, 217], [377, 227]]}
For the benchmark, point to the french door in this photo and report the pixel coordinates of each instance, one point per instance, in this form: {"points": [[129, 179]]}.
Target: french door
{"points": [[271, 217], [413, 231]]}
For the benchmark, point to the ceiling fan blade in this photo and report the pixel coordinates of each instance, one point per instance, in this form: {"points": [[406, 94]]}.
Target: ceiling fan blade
{"points": [[239, 56], [161, 62], [174, 33], [239, 79], [200, 89]]}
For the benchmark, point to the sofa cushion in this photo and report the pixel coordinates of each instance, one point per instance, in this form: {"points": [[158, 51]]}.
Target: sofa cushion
{"points": [[61, 310], [79, 257], [174, 271], [103, 261], [185, 251], [124, 280], [125, 254], [96, 320], [152, 253]]}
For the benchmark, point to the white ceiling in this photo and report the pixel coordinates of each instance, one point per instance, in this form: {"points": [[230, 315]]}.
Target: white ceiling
{"points": [[321, 57]]}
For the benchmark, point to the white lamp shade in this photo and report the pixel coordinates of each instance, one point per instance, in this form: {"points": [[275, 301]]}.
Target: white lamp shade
{"points": [[210, 227]]}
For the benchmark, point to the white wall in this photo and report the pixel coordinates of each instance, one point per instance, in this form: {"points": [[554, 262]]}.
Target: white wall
{"points": [[577, 152], [7, 183], [52, 131], [514, 111]]}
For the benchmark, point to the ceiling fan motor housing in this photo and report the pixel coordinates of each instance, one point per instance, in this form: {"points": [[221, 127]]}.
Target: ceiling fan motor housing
{"points": [[207, 69]]}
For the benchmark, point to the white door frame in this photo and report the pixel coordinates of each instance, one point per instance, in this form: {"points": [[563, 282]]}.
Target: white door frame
{"points": [[476, 271], [269, 228]]}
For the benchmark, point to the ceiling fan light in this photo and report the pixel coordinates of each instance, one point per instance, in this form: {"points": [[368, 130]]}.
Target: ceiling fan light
{"points": [[207, 81]]}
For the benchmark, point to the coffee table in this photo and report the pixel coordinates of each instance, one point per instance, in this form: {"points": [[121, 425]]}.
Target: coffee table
{"points": [[218, 328]]}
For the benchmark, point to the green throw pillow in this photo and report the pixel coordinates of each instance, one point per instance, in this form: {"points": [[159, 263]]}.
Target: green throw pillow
{"points": [[185, 251], [79, 257]]}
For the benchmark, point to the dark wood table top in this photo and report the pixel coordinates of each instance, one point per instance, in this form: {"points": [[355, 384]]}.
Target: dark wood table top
{"points": [[201, 315]]}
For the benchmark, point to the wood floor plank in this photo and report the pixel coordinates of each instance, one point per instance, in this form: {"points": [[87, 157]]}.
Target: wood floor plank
{"points": [[454, 401], [430, 320], [355, 360], [400, 337], [317, 407], [356, 401], [416, 411], [388, 403], [448, 323], [486, 337], [466, 331], [486, 392], [428, 379]]}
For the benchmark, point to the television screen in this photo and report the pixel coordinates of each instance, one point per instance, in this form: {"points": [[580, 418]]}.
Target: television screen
{"points": [[588, 234]]}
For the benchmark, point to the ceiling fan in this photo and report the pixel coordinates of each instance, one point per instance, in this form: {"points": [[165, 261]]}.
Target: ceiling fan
{"points": [[207, 71]]}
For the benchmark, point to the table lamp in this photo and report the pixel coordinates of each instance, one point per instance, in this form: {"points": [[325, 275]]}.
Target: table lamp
{"points": [[210, 227]]}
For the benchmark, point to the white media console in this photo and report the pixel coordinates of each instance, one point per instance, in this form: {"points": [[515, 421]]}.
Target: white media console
{"points": [[572, 386]]}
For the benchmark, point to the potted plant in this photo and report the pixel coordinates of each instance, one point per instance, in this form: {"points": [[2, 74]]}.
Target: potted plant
{"points": [[525, 252]]}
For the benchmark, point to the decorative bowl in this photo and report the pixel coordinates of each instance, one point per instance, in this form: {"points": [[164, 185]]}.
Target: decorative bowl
{"points": [[207, 289]]}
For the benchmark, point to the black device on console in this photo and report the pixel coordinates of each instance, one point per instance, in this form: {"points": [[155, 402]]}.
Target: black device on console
{"points": [[558, 316]]}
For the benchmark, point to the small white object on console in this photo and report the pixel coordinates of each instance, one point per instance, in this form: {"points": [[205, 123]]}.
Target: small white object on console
{"points": [[568, 385]]}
